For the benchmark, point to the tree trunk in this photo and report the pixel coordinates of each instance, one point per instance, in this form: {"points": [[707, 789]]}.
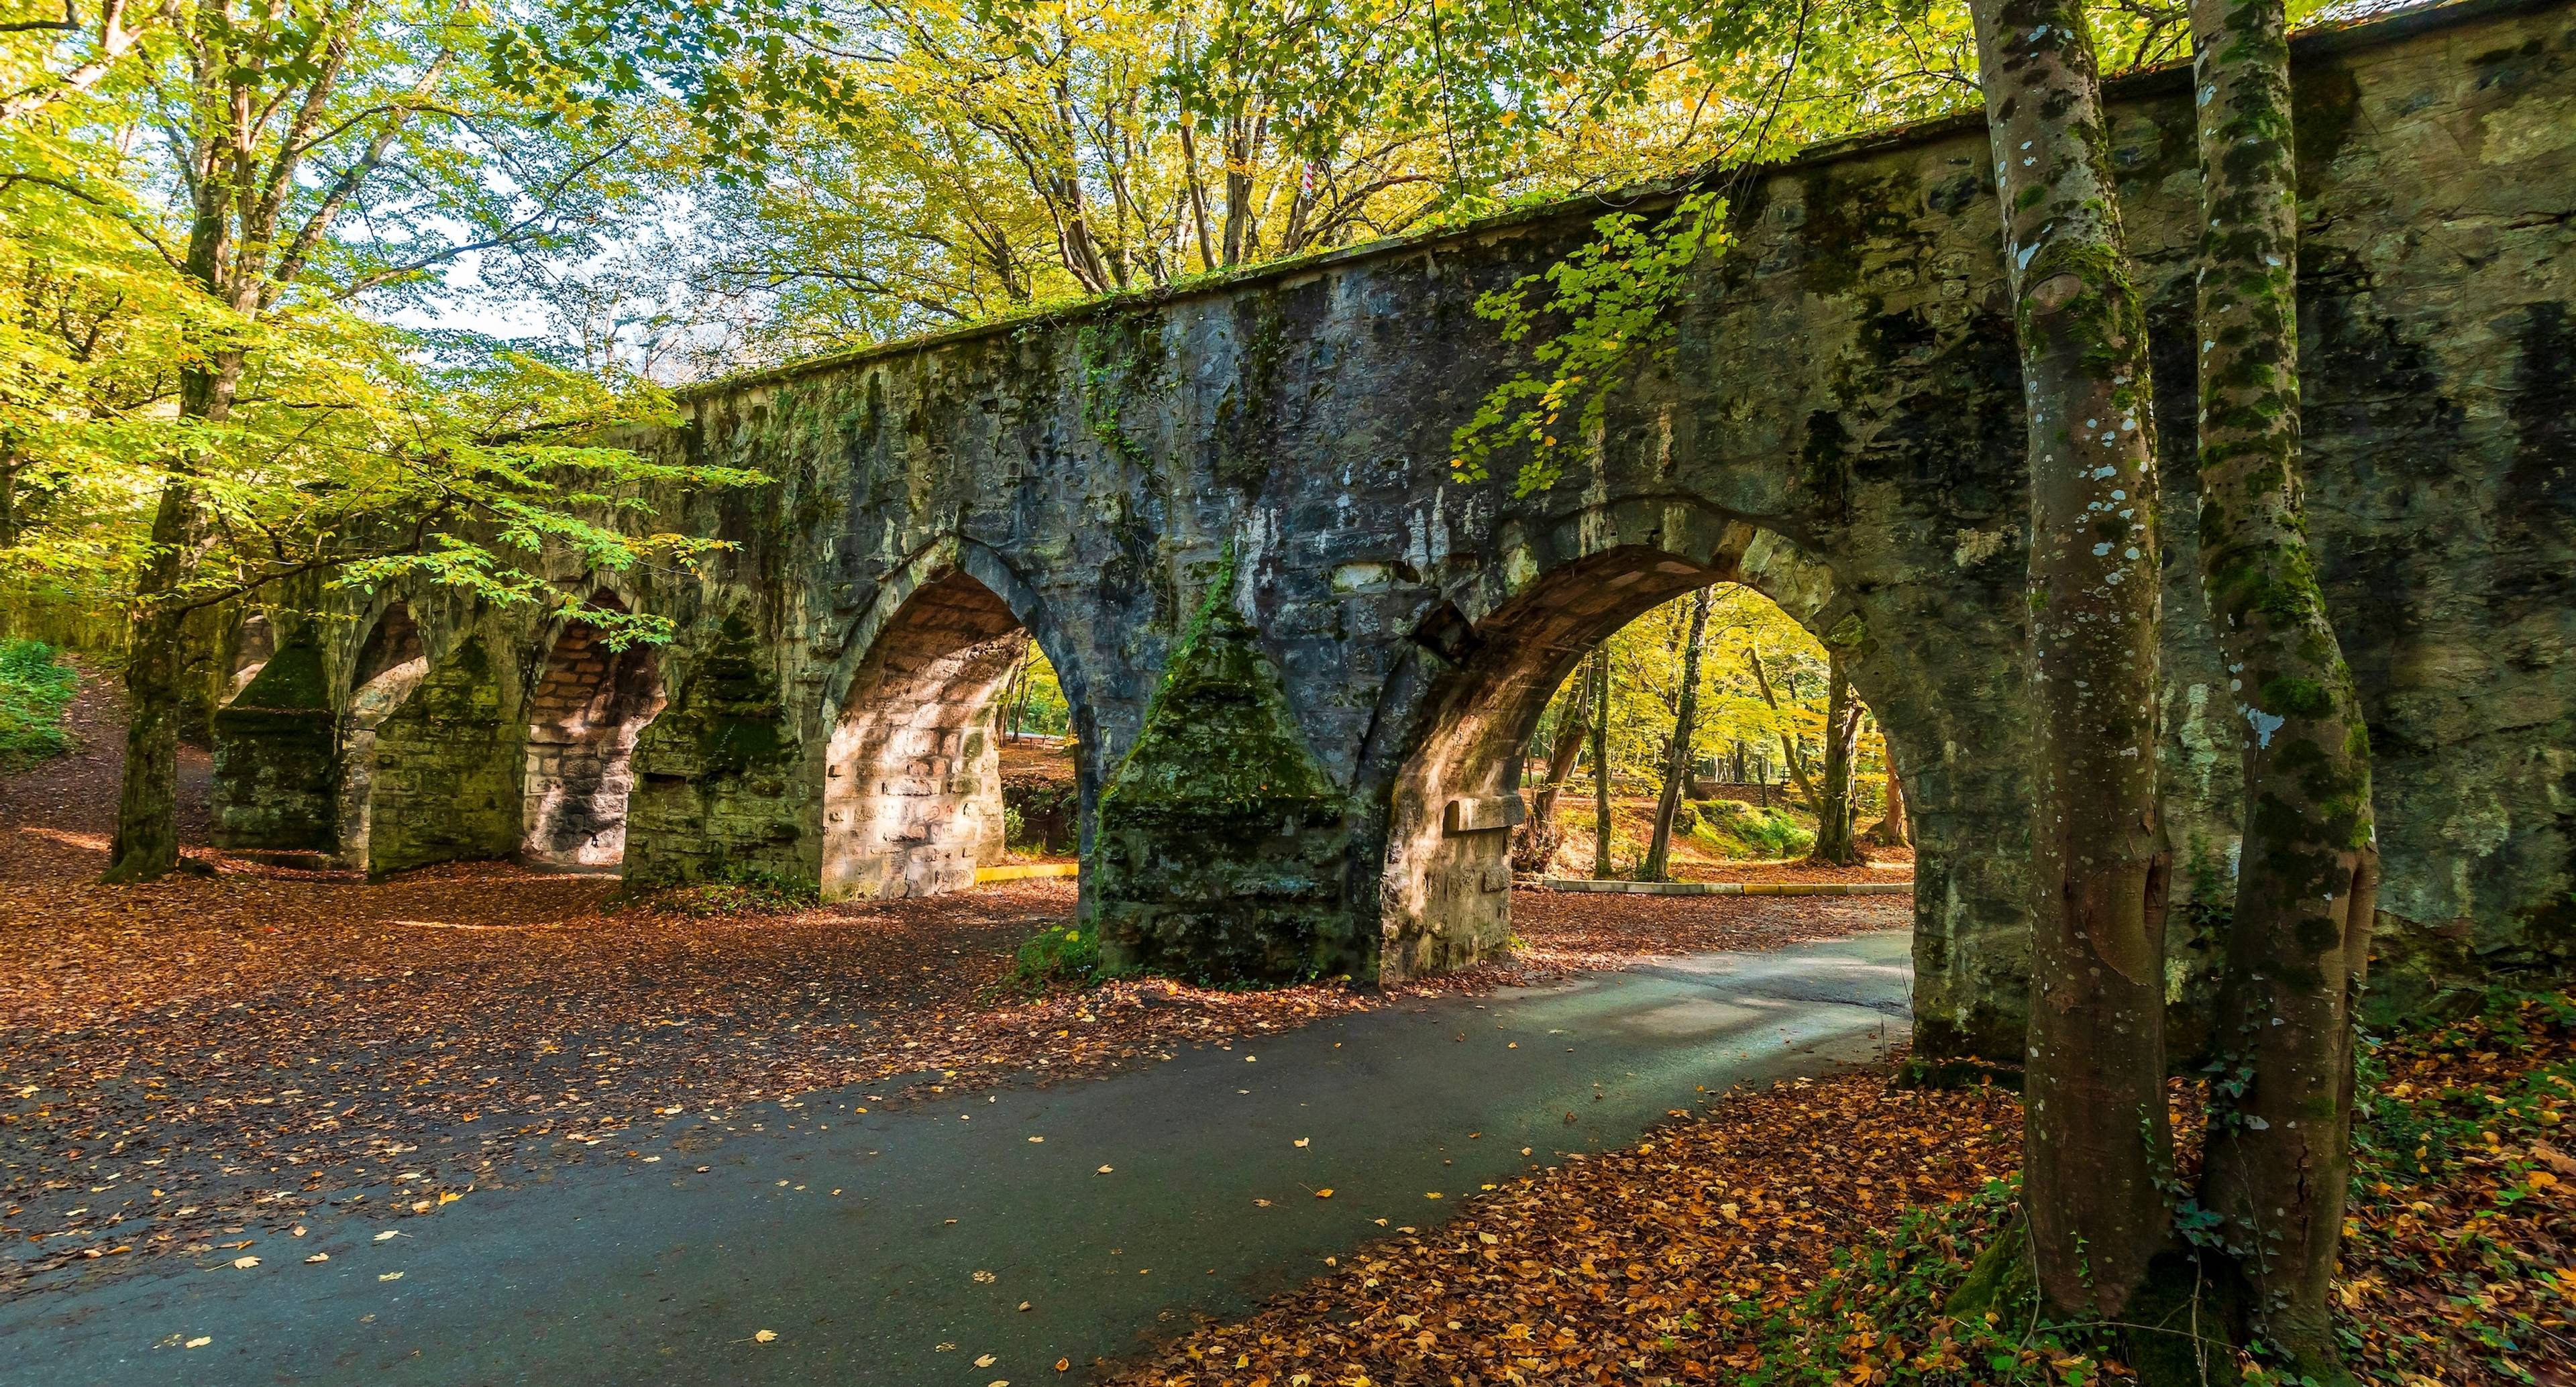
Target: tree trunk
{"points": [[1835, 844], [2279, 1152], [2097, 1140], [1198, 192], [1534, 842], [147, 799], [1893, 831], [1677, 759], [1601, 764], [1789, 753]]}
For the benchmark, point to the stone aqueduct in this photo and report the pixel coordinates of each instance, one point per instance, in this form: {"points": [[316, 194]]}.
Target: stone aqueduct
{"points": [[1302, 658]]}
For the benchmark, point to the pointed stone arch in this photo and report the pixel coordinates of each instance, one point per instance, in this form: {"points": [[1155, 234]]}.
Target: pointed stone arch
{"points": [[590, 705], [912, 796], [1442, 766], [390, 663]]}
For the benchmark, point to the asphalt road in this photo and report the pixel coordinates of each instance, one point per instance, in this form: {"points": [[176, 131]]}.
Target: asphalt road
{"points": [[898, 1247]]}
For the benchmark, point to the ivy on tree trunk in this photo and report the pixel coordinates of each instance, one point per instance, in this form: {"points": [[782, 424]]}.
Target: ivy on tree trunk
{"points": [[2279, 1154], [2097, 1139]]}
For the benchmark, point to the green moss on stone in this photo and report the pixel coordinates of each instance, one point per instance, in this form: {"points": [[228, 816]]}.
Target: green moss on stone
{"points": [[292, 678], [1220, 847]]}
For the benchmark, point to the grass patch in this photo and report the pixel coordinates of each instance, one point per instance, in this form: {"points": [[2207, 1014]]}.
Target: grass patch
{"points": [[36, 689], [1737, 829], [734, 891], [1057, 956]]}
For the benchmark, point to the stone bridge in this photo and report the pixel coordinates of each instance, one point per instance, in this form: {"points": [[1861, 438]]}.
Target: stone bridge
{"points": [[1302, 660]]}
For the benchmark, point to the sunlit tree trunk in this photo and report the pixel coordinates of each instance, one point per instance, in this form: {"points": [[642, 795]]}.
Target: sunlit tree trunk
{"points": [[2279, 1157], [1892, 830], [1789, 753], [1677, 759], [1835, 843], [2097, 1139], [146, 846], [1534, 842], [1601, 763]]}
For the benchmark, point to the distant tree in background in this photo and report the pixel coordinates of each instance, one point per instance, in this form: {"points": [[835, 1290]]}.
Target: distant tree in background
{"points": [[1836, 845], [1682, 750]]}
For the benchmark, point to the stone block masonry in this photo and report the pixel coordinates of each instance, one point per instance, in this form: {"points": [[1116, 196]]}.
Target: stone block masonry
{"points": [[1835, 421]]}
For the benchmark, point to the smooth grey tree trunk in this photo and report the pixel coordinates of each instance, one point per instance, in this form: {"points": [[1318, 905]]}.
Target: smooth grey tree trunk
{"points": [[2097, 1139]]}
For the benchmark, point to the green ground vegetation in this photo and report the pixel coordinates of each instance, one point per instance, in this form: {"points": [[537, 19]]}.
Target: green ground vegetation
{"points": [[36, 688], [734, 891]]}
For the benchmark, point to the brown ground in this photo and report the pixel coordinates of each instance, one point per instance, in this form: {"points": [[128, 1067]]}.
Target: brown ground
{"points": [[186, 1059], [1648, 1265], [1707, 1250]]}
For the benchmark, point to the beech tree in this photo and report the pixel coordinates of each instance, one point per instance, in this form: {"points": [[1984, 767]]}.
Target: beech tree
{"points": [[1534, 842], [1891, 831], [2279, 1149], [1601, 764], [2097, 1143], [1681, 751], [1836, 843]]}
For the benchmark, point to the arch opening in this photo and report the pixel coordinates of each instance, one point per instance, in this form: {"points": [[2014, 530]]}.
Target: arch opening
{"points": [[912, 795], [390, 664], [1457, 810], [588, 709], [254, 644]]}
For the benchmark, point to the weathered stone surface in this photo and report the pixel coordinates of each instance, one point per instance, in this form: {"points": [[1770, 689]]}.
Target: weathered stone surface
{"points": [[277, 758], [1221, 845], [1836, 422]]}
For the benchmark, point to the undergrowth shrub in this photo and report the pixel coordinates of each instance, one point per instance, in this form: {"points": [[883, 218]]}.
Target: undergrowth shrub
{"points": [[1747, 830], [36, 689], [1057, 956], [733, 891]]}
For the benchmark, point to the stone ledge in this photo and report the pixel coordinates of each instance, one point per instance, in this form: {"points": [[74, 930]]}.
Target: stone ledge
{"points": [[1730, 888]]}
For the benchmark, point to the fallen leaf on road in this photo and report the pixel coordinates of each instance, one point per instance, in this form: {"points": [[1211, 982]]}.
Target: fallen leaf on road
{"points": [[1043, 1138], [245, 1263], [986, 1361], [1303, 1140], [202, 1340], [986, 1276], [766, 1335], [1105, 1170], [391, 1233], [391, 1276], [325, 1256], [1066, 1364]]}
